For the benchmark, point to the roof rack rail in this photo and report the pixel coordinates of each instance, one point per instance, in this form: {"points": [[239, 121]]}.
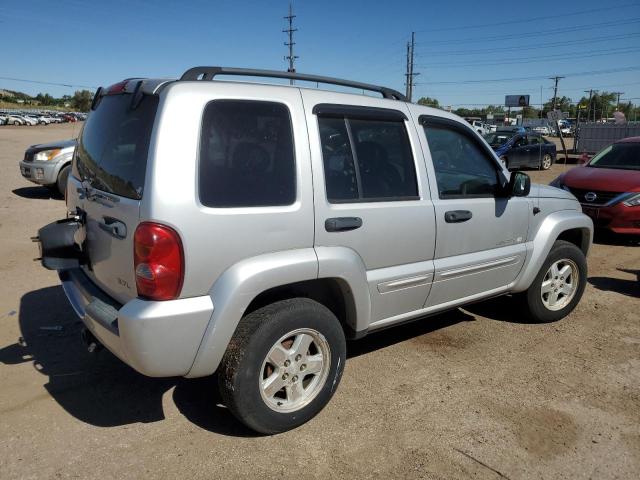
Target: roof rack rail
{"points": [[207, 73]]}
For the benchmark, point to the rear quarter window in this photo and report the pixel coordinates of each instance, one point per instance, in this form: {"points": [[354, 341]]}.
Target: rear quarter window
{"points": [[246, 155]]}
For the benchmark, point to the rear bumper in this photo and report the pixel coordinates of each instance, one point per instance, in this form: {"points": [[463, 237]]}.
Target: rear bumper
{"points": [[158, 339], [42, 173], [618, 218]]}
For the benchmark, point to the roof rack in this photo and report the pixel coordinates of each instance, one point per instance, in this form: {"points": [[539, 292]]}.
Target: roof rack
{"points": [[207, 73]]}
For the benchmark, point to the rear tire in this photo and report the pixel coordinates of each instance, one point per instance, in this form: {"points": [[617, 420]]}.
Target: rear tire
{"points": [[546, 162], [297, 345], [559, 285], [61, 183]]}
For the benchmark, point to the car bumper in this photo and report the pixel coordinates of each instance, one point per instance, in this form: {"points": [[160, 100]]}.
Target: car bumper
{"points": [[617, 218], [42, 173], [158, 339]]}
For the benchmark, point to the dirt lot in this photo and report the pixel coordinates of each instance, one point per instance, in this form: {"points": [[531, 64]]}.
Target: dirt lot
{"points": [[472, 393]]}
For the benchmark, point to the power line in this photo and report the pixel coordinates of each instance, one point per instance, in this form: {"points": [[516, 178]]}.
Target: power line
{"points": [[291, 57], [537, 46], [531, 19], [543, 58], [536, 77], [47, 83], [539, 32]]}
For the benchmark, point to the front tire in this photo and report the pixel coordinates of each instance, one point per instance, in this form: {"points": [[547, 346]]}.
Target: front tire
{"points": [[282, 365], [61, 183], [559, 285]]}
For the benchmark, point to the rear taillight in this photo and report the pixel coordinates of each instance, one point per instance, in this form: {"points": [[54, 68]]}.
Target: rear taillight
{"points": [[158, 261], [117, 88]]}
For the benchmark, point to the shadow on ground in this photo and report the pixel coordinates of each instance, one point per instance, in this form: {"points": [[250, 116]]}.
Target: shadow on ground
{"points": [[630, 288], [101, 390], [606, 237], [38, 193]]}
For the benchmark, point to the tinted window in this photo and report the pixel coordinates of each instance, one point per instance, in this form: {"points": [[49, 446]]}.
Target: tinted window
{"points": [[625, 156], [462, 168], [533, 140], [339, 167], [112, 150], [367, 160], [246, 155]]}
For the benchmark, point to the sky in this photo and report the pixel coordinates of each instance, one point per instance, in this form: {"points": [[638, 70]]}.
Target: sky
{"points": [[467, 52]]}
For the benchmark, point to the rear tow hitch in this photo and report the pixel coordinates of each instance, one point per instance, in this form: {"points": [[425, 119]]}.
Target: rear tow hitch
{"points": [[92, 343]]}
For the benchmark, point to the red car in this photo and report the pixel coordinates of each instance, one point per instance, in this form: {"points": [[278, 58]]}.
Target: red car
{"points": [[608, 186]]}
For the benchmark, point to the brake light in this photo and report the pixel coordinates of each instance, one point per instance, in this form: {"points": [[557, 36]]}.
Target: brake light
{"points": [[158, 261], [117, 88]]}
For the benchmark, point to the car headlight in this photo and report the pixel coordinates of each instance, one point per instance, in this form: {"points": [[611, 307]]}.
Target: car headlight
{"points": [[45, 155], [632, 201]]}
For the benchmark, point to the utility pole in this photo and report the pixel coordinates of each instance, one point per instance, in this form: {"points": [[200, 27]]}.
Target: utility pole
{"points": [[589, 105], [407, 80], [410, 73], [618, 102], [291, 57], [555, 89]]}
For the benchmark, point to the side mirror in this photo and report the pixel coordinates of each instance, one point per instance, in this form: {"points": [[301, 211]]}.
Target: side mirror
{"points": [[519, 184]]}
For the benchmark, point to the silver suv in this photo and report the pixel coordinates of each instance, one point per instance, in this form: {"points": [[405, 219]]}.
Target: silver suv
{"points": [[49, 164], [250, 229]]}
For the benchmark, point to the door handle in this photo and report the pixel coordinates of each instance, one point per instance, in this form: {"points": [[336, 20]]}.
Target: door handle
{"points": [[457, 216], [113, 227], [342, 224]]}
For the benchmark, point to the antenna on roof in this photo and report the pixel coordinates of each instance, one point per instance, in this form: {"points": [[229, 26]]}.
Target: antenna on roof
{"points": [[291, 57]]}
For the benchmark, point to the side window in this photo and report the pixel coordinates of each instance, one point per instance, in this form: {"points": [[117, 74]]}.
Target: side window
{"points": [[520, 142], [246, 155], [462, 168], [367, 160], [534, 140]]}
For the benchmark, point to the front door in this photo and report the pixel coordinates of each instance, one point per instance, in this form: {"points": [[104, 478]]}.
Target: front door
{"points": [[371, 197], [480, 247], [519, 154]]}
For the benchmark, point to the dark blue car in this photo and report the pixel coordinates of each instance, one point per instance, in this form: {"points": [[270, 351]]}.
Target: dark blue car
{"points": [[518, 150]]}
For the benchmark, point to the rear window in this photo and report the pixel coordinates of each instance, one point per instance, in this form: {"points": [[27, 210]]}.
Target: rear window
{"points": [[246, 155], [112, 150]]}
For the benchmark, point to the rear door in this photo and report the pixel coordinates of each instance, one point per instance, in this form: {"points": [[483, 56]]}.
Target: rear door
{"points": [[480, 247], [371, 196], [107, 184]]}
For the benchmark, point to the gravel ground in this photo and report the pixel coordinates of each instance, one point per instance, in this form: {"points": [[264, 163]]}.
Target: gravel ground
{"points": [[474, 393]]}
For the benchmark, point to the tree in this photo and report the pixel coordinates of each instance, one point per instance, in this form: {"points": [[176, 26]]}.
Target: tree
{"points": [[82, 100], [564, 104], [429, 102]]}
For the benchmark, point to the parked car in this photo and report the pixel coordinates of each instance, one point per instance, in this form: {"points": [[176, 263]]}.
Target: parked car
{"points": [[49, 164], [543, 130], [15, 120], [295, 218], [3, 119], [39, 119], [517, 150], [608, 186], [479, 127], [28, 120]]}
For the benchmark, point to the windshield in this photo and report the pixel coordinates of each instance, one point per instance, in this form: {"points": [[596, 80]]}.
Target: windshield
{"points": [[112, 150], [497, 139], [624, 156]]}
